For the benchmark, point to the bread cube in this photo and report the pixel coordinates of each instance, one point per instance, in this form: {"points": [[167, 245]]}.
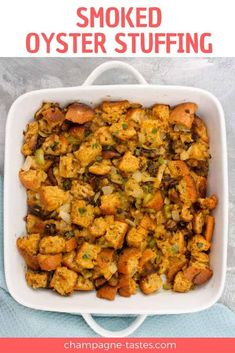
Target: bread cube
{"points": [[115, 234], [136, 237], [88, 151], [52, 197], [128, 261], [183, 114], [64, 280], [36, 279], [79, 113], [110, 204], [150, 283], [49, 262], [156, 202], [107, 292], [30, 138], [81, 190], [98, 227], [52, 245], [81, 213], [32, 178], [68, 166], [123, 130], [87, 255], [161, 112], [84, 284], [69, 261], [106, 266], [129, 163], [55, 145], [187, 189], [181, 283], [101, 168], [127, 286], [29, 244]]}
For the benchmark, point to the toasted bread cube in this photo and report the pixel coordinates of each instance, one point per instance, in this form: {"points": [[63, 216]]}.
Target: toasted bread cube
{"points": [[203, 276], [68, 260], [98, 227], [150, 283], [198, 222], [52, 197], [102, 168], [115, 234], [29, 244], [161, 112], [55, 145], [32, 179], [107, 292], [135, 116], [136, 237], [84, 284], [198, 151], [181, 283], [128, 261], [200, 128], [36, 280], [70, 244], [87, 255], [176, 264], [148, 257], [147, 223], [34, 224], [30, 260], [198, 243], [68, 167], [106, 266], [52, 245], [183, 114], [110, 204], [113, 111], [187, 189], [129, 163], [123, 130], [64, 280], [151, 135], [81, 190], [79, 113], [156, 202], [88, 151], [81, 213], [210, 222], [49, 262], [51, 113], [104, 136], [127, 286], [209, 202], [178, 168], [30, 138]]}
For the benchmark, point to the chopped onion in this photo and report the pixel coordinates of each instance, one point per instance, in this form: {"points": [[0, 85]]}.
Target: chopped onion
{"points": [[64, 213], [175, 215], [97, 195], [107, 190], [27, 163], [131, 223], [137, 176]]}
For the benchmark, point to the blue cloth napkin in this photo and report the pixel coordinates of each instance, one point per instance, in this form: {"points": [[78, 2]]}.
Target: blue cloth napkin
{"points": [[19, 321]]}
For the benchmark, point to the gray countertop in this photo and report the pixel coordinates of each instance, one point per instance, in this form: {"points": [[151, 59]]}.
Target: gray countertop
{"points": [[18, 76]]}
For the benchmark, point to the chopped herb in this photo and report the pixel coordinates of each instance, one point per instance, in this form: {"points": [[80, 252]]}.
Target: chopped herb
{"points": [[82, 210], [86, 256], [95, 145], [152, 243], [175, 249], [54, 145], [87, 132], [67, 184], [98, 159], [73, 140], [167, 286], [161, 160], [154, 130], [124, 126], [69, 234], [137, 152], [200, 245], [167, 209]]}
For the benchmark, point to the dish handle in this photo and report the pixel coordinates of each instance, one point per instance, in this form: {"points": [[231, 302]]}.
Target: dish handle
{"points": [[113, 65], [107, 333]]}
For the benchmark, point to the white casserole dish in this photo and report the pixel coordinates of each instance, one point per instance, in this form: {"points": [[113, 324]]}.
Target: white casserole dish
{"points": [[166, 302]]}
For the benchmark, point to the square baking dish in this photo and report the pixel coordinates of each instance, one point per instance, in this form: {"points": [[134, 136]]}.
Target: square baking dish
{"points": [[165, 302]]}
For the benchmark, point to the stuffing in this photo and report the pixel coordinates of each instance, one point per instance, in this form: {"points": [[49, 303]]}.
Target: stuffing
{"points": [[150, 283], [29, 244], [127, 286], [84, 284], [115, 234], [128, 261], [30, 138], [181, 284], [68, 166], [81, 190], [129, 163], [156, 202], [79, 113], [82, 214], [136, 237], [52, 245], [32, 179], [51, 197], [64, 281], [36, 279], [117, 197], [122, 130], [101, 168], [55, 145], [49, 262], [183, 114], [88, 152], [87, 255], [107, 292], [98, 227], [110, 204]]}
